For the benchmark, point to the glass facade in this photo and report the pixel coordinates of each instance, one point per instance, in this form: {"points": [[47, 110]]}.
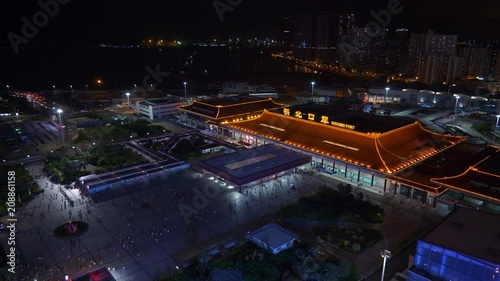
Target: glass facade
{"points": [[437, 263]]}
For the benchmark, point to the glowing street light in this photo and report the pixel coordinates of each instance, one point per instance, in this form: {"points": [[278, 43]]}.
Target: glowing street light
{"points": [[135, 87], [87, 87], [54, 87], [496, 126], [59, 111], [99, 82], [385, 97], [128, 99], [312, 88], [185, 90], [456, 106], [8, 87], [71, 87], [386, 254]]}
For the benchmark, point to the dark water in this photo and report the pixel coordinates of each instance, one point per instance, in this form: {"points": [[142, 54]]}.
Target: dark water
{"points": [[120, 68]]}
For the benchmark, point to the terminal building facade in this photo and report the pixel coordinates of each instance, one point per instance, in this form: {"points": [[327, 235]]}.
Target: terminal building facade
{"points": [[386, 155]]}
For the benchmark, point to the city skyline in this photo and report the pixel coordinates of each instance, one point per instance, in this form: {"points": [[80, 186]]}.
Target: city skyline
{"points": [[95, 22]]}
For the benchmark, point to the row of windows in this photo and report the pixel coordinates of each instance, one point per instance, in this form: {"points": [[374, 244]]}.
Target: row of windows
{"points": [[450, 265]]}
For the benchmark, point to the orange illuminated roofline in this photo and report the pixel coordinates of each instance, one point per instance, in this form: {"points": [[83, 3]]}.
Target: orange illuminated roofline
{"points": [[470, 169], [218, 107], [375, 137]]}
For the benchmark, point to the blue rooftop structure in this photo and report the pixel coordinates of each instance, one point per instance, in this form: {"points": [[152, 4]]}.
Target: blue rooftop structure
{"points": [[246, 166]]}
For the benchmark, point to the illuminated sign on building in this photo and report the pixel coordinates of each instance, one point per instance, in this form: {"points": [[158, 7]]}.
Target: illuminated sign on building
{"points": [[324, 119], [342, 125]]}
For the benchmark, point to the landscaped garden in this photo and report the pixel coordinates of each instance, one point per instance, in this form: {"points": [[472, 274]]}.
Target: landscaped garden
{"points": [[118, 130], [302, 262], [334, 205], [352, 240], [113, 157], [66, 168], [26, 187]]}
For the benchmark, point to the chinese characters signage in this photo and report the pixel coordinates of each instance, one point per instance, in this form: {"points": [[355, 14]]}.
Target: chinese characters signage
{"points": [[312, 117]]}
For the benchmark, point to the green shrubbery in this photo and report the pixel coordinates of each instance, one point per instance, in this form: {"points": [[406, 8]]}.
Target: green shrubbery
{"points": [[333, 205], [26, 186]]}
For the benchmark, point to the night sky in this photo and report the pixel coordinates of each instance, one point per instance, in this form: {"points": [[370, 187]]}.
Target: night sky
{"points": [[124, 21]]}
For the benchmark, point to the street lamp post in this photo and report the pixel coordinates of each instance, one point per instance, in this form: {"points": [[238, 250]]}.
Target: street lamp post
{"points": [[386, 254], [495, 132], [135, 87], [54, 87], [185, 90], [312, 88], [8, 88], [60, 123], [456, 106], [385, 97], [87, 87], [71, 87], [99, 82], [128, 100]]}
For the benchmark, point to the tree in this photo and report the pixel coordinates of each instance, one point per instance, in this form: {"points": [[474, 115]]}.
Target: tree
{"points": [[203, 265], [343, 269], [297, 255], [329, 272], [344, 190]]}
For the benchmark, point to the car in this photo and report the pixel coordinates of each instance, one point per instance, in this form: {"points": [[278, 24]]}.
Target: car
{"points": [[221, 182]]}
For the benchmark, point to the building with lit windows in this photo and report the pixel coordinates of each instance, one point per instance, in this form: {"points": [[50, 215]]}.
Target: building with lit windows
{"points": [[465, 246], [158, 108]]}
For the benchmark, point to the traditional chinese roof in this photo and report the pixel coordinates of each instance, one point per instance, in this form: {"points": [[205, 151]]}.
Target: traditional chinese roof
{"points": [[482, 179], [474, 182], [212, 110], [386, 152]]}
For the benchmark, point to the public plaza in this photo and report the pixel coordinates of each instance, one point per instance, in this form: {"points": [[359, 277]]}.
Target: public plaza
{"points": [[139, 232]]}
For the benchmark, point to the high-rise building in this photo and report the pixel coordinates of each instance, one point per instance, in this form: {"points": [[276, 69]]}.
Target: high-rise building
{"points": [[492, 49], [316, 36], [304, 37], [496, 72], [474, 59], [326, 36], [431, 43], [286, 32], [346, 22], [432, 58], [438, 69]]}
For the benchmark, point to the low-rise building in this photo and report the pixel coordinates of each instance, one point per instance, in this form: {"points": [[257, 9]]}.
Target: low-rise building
{"points": [[273, 237], [158, 108]]}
